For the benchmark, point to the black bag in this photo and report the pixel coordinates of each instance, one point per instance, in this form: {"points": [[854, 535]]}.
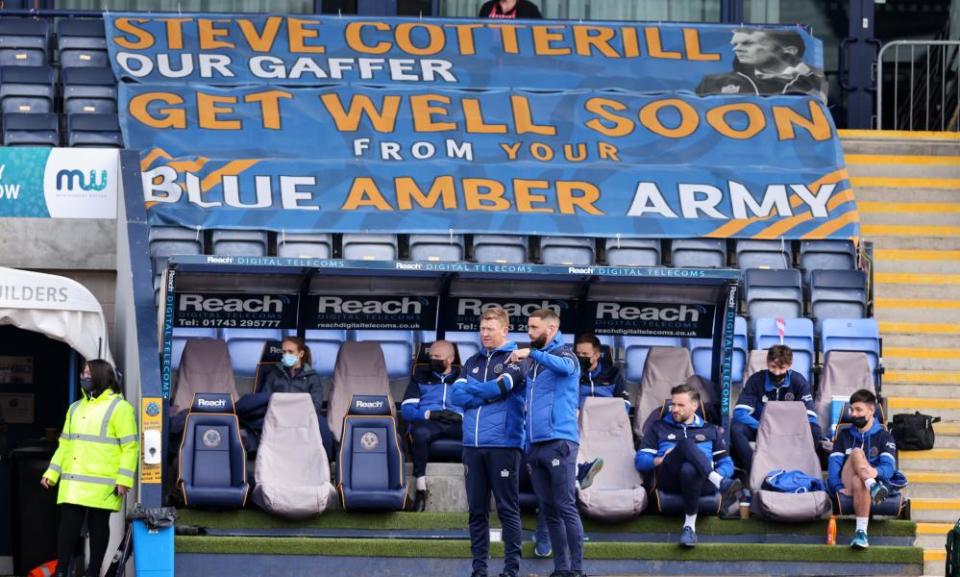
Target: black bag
{"points": [[913, 432], [953, 552]]}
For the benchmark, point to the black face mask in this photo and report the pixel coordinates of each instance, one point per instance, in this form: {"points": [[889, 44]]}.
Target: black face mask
{"points": [[87, 386], [778, 379], [437, 365], [859, 422], [584, 365], [540, 342]]}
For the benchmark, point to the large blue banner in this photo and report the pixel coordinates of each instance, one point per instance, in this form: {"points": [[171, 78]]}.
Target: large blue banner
{"points": [[313, 50], [490, 150]]}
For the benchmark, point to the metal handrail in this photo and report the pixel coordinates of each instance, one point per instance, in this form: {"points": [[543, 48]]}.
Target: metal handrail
{"points": [[913, 45]]}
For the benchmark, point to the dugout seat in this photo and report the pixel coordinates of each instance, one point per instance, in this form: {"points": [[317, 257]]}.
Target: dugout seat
{"points": [[213, 463]]}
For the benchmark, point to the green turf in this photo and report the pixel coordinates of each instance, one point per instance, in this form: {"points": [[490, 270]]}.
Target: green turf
{"points": [[253, 519], [461, 550]]}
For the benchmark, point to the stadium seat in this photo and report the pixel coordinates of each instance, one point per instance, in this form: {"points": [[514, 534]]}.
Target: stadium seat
{"points": [[23, 41], [359, 370], [398, 349], [239, 242], [370, 247], [773, 294], [94, 130], [772, 254], [293, 471], [167, 241], [617, 493], [567, 251], [204, 368], [826, 255], [699, 253], [701, 353], [665, 368], [784, 442], [844, 373], [636, 349], [270, 355], [468, 343], [246, 346], [213, 462], [895, 503], [304, 245], [852, 335], [499, 249], [89, 91], [798, 335], [670, 503], [633, 251], [437, 247], [82, 43], [371, 467], [29, 129], [180, 337], [26, 89], [324, 345], [838, 294]]}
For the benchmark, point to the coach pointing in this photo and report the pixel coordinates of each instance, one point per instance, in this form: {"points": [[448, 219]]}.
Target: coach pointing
{"points": [[552, 377]]}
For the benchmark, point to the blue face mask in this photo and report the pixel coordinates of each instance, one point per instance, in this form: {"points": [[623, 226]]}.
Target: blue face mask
{"points": [[289, 360], [87, 385]]}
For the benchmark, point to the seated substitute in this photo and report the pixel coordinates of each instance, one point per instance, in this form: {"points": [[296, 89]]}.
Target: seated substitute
{"points": [[596, 378], [430, 415], [863, 463], [777, 383], [688, 456], [294, 374]]}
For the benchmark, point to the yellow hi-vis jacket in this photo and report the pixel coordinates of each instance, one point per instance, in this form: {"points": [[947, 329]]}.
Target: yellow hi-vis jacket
{"points": [[98, 450]]}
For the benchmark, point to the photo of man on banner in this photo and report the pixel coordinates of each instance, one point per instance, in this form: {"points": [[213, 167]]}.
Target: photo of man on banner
{"points": [[767, 62]]}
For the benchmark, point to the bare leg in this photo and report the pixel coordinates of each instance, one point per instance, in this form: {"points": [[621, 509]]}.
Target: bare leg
{"points": [[855, 471]]}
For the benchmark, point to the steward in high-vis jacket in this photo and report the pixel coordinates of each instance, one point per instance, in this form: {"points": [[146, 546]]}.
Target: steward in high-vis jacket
{"points": [[553, 438], [95, 463], [491, 391]]}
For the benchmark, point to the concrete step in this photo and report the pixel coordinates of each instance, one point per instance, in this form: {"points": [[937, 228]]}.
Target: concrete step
{"points": [[943, 346], [859, 166], [872, 194], [939, 460], [933, 484], [871, 231], [914, 243], [884, 142], [945, 408], [934, 562], [947, 378], [933, 214], [936, 510], [917, 390], [915, 291], [916, 311], [935, 279], [918, 328]]}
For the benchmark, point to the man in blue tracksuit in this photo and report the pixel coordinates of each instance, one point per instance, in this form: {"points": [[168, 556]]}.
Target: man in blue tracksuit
{"points": [[687, 456], [429, 413], [553, 372], [777, 383], [491, 391], [863, 463], [598, 379]]}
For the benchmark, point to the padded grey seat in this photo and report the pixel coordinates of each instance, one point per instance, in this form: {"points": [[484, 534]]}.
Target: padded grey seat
{"points": [[665, 368], [773, 293], [784, 442], [293, 469], [617, 492], [360, 370], [204, 368], [844, 373]]}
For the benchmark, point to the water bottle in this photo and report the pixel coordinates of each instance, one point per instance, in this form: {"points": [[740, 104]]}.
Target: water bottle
{"points": [[832, 530]]}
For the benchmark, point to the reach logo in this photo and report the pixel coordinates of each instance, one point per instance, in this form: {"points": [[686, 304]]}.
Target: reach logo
{"points": [[88, 182]]}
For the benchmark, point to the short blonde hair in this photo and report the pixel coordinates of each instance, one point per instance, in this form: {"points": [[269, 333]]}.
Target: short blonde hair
{"points": [[496, 313]]}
